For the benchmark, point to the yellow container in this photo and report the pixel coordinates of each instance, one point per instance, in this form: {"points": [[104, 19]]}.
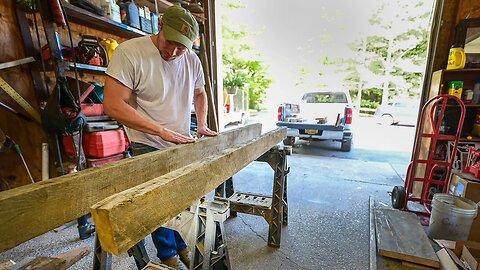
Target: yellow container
{"points": [[455, 88], [456, 58], [110, 45], [476, 130]]}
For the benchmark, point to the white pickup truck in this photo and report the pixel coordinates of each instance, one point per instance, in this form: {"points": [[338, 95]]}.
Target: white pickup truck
{"points": [[322, 115]]}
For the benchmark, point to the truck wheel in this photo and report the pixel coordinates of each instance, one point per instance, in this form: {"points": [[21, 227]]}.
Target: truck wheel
{"points": [[346, 145], [398, 197], [289, 141], [386, 120]]}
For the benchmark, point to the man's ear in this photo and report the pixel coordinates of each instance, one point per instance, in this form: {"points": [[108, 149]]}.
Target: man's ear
{"points": [[160, 25]]}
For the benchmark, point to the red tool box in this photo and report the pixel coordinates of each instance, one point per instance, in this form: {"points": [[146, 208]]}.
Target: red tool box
{"points": [[91, 103], [95, 162], [98, 144]]}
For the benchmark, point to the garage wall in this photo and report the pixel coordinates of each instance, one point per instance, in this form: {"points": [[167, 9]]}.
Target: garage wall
{"points": [[29, 135], [468, 9]]}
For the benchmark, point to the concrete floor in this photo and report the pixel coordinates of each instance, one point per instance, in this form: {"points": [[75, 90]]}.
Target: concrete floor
{"points": [[328, 218]]}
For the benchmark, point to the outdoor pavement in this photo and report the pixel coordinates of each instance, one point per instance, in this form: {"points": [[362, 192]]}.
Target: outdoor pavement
{"points": [[328, 197]]}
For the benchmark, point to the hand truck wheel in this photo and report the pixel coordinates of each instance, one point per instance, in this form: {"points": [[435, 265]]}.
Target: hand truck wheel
{"points": [[398, 197]]}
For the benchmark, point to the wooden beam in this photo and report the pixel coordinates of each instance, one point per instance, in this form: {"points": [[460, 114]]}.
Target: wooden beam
{"points": [[45, 205], [124, 219]]}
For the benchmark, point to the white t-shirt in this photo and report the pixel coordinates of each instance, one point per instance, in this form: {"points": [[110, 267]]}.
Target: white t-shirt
{"points": [[162, 90]]}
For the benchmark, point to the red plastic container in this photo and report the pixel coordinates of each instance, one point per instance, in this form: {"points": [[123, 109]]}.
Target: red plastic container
{"points": [[98, 144], [92, 109], [95, 162], [89, 108]]}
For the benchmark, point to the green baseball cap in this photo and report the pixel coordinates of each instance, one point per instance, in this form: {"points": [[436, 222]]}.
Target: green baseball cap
{"points": [[179, 25]]}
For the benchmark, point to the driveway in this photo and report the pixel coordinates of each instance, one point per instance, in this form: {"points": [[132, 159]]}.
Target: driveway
{"points": [[328, 195]]}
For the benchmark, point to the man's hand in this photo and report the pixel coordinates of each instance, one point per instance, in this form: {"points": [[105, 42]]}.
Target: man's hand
{"points": [[205, 131], [174, 137]]}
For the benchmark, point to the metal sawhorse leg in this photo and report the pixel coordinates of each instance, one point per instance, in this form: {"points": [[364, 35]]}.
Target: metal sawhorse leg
{"points": [[274, 209], [102, 260]]}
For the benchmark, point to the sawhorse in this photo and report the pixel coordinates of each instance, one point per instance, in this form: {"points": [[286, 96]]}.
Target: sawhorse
{"points": [[274, 209]]}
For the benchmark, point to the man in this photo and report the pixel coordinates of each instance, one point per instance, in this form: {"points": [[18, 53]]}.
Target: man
{"points": [[149, 88]]}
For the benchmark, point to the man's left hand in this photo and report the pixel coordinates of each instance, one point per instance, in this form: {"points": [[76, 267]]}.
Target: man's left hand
{"points": [[205, 131]]}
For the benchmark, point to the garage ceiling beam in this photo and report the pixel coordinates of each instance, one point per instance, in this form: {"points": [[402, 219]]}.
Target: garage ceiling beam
{"points": [[124, 219], [31, 210]]}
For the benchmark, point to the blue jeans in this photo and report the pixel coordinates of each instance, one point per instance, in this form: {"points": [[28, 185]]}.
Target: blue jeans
{"points": [[167, 241]]}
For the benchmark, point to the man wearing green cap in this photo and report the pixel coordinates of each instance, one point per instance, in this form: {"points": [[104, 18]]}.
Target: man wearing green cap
{"points": [[149, 88]]}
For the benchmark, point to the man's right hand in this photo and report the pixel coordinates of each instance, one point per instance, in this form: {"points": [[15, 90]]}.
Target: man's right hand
{"points": [[174, 137]]}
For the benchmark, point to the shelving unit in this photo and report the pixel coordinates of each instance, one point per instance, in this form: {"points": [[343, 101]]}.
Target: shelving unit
{"points": [[85, 68], [86, 18], [439, 85]]}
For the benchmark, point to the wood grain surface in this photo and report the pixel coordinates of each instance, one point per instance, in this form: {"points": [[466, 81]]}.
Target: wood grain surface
{"points": [[124, 219], [32, 210], [400, 236]]}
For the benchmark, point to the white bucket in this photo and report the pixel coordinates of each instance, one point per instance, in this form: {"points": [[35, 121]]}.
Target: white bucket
{"points": [[451, 217]]}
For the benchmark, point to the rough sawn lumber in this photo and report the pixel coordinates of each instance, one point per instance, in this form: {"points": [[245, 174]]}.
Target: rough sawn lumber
{"points": [[400, 236], [34, 209], [124, 219]]}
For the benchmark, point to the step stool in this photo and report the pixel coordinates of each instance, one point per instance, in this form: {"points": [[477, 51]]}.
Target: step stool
{"points": [[210, 252]]}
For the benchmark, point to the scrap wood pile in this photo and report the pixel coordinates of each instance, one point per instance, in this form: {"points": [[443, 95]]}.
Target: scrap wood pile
{"points": [[400, 236]]}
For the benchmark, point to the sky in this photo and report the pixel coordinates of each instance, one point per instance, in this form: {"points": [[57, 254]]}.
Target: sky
{"points": [[294, 34]]}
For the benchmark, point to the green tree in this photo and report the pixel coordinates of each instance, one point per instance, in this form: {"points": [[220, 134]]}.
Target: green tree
{"points": [[387, 59], [241, 63], [391, 55]]}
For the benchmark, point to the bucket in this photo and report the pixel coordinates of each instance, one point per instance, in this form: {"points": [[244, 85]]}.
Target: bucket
{"points": [[451, 217]]}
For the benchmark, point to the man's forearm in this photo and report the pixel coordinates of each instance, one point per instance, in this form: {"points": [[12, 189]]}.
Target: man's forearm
{"points": [[201, 107], [129, 117]]}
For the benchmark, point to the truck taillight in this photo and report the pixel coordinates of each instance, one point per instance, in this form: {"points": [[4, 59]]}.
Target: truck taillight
{"points": [[280, 113], [348, 115]]}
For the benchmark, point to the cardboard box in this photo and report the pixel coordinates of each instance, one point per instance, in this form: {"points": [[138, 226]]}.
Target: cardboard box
{"points": [[471, 256], [466, 186]]}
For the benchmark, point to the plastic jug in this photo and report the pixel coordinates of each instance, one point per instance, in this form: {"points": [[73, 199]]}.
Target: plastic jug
{"points": [[133, 17], [110, 45], [456, 58]]}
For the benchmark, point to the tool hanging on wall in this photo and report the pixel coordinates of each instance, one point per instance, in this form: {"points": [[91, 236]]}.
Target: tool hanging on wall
{"points": [[14, 94], [6, 143], [20, 100], [58, 16], [10, 109]]}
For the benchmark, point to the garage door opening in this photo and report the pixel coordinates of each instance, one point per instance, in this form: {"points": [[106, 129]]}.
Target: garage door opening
{"points": [[375, 52]]}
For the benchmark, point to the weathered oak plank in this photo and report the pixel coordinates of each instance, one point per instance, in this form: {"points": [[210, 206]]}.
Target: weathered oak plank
{"points": [[400, 236], [32, 210], [124, 219]]}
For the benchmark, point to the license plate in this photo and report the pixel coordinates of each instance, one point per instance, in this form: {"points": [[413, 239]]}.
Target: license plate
{"points": [[311, 131]]}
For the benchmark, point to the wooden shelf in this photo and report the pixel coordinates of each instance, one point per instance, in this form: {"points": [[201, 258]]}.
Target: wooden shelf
{"points": [[470, 105], [86, 18], [475, 139], [463, 70], [85, 68]]}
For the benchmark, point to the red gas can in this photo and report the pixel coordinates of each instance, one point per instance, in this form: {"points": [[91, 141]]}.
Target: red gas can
{"points": [[98, 144], [95, 162]]}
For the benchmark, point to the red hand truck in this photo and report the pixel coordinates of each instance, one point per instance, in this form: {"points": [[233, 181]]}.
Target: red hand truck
{"points": [[402, 195]]}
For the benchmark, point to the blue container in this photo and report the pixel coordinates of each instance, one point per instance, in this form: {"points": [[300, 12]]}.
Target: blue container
{"points": [[133, 19], [154, 17]]}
